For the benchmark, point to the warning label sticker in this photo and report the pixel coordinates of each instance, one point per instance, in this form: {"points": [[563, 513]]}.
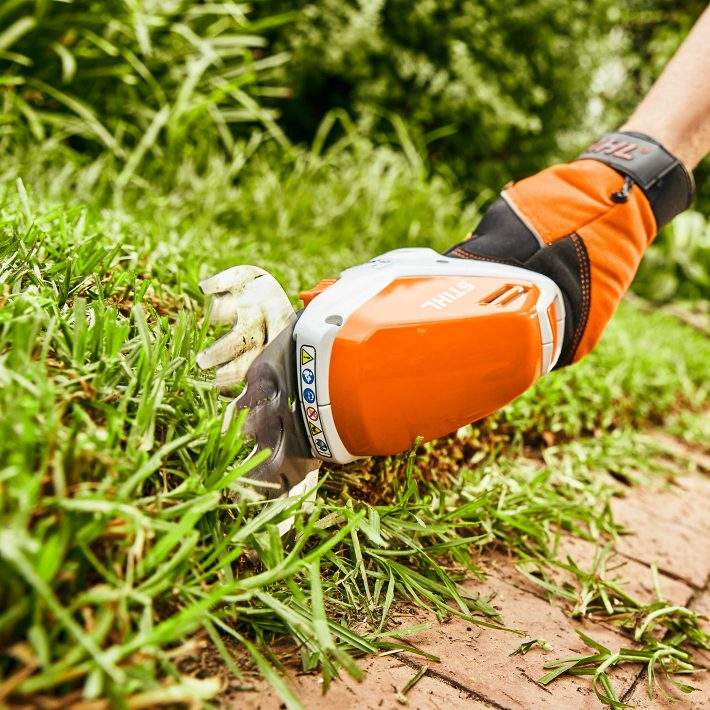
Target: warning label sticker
{"points": [[321, 446], [309, 399]]}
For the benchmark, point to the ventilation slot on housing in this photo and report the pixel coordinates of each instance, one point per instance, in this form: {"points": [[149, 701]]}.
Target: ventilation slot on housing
{"points": [[504, 295]]}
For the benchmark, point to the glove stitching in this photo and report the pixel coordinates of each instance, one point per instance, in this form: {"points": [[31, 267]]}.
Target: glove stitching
{"points": [[461, 253], [585, 288]]}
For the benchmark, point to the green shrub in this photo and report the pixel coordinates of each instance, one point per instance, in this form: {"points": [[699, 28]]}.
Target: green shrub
{"points": [[677, 265], [131, 77], [494, 91], [488, 87]]}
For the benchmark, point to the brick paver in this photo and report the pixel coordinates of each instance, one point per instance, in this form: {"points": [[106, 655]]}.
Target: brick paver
{"points": [[675, 699], [385, 677], [701, 605], [480, 658], [634, 577], [699, 698], [668, 526]]}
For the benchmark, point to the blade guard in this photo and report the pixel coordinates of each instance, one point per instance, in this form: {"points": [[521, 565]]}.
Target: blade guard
{"points": [[415, 344]]}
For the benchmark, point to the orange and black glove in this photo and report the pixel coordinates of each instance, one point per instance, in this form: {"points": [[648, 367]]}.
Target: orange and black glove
{"points": [[586, 225]]}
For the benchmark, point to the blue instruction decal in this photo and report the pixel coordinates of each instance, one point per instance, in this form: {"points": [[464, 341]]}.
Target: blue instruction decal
{"points": [[309, 401]]}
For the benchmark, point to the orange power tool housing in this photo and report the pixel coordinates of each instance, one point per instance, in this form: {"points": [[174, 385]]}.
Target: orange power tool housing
{"points": [[415, 344]]}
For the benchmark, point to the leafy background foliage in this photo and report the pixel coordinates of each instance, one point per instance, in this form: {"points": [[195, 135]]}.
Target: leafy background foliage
{"points": [[492, 91], [487, 88], [133, 77], [476, 92]]}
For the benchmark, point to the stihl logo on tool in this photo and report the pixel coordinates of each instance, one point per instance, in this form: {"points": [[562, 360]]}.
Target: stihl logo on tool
{"points": [[444, 298], [619, 149]]}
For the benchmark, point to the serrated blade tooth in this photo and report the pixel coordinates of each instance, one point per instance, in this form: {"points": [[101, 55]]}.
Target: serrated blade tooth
{"points": [[225, 309], [231, 280], [275, 309], [260, 350], [278, 315], [273, 301], [267, 292], [234, 371], [248, 334], [306, 487], [261, 309]]}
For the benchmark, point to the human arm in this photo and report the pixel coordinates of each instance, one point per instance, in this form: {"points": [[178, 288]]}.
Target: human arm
{"points": [[676, 111]]}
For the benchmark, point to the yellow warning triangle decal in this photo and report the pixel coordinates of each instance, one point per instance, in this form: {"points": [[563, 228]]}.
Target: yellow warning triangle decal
{"points": [[306, 357], [315, 430]]}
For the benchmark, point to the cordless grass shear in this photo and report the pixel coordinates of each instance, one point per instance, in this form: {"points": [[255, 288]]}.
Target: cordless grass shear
{"points": [[409, 345]]}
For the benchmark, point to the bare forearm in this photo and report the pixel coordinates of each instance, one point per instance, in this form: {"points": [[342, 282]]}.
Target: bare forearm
{"points": [[676, 111]]}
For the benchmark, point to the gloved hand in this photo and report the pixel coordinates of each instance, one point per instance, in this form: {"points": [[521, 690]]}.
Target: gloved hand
{"points": [[586, 225]]}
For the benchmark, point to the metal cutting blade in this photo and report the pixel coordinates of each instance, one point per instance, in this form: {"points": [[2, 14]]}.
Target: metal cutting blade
{"points": [[274, 418]]}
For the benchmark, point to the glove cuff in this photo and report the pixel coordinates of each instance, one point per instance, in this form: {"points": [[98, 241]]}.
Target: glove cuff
{"points": [[666, 182]]}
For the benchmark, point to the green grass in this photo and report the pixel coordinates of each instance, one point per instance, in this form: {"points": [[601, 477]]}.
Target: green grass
{"points": [[124, 524], [128, 81]]}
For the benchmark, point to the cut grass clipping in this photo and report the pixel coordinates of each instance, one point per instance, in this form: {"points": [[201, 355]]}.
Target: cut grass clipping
{"points": [[126, 530]]}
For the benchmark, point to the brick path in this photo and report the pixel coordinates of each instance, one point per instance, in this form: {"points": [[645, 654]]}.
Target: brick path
{"points": [[670, 527]]}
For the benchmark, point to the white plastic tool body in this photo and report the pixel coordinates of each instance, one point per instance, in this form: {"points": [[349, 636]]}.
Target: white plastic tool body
{"points": [[325, 316]]}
